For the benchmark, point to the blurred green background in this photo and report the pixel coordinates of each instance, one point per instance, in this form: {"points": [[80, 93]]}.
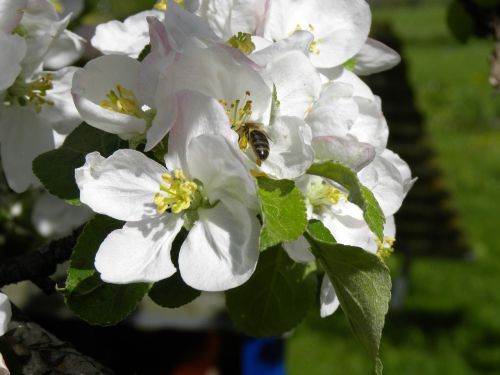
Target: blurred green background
{"points": [[450, 322]]}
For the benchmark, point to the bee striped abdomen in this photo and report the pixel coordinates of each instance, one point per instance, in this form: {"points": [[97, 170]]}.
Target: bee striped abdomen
{"points": [[260, 144]]}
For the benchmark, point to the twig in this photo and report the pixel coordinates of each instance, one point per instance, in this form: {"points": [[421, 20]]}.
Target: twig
{"points": [[38, 265], [43, 353]]}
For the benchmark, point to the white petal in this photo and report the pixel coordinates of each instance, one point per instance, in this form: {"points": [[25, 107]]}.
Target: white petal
{"points": [[340, 27], [221, 249], [375, 57], [386, 183], [222, 169], [228, 17], [124, 38], [11, 12], [63, 115], [290, 153], [139, 252], [13, 51], [122, 186], [335, 111], [370, 125], [5, 313], [267, 51], [91, 85], [299, 250], [328, 298], [298, 84], [52, 216], [64, 51], [402, 167], [23, 136], [354, 154]]}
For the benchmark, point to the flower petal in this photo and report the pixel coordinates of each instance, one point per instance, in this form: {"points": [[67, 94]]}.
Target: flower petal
{"points": [[299, 250], [139, 252], [13, 52], [328, 298], [5, 313], [122, 186], [23, 136], [375, 57], [221, 249]]}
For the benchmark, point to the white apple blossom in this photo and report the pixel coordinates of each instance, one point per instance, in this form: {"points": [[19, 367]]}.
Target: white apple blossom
{"points": [[374, 57], [206, 191], [5, 313]]}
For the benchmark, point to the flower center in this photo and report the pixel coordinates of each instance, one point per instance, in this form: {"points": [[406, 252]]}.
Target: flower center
{"points": [[162, 4], [122, 100], [313, 48], [385, 248], [176, 193], [239, 111], [323, 194], [58, 6], [34, 92], [243, 42]]}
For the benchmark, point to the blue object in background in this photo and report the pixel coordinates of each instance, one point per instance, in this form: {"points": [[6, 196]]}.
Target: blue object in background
{"points": [[263, 356]]}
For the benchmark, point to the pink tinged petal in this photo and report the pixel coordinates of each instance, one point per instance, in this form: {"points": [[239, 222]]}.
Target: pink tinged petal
{"points": [[222, 169], [328, 298], [217, 73], [122, 186], [182, 25], [23, 136], [139, 252], [375, 57], [299, 250], [350, 152], [197, 114], [158, 60], [298, 84], [5, 313], [11, 12], [91, 85], [221, 250], [13, 52]]}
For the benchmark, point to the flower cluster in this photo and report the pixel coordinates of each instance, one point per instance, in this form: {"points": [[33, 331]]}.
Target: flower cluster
{"points": [[235, 91], [37, 110]]}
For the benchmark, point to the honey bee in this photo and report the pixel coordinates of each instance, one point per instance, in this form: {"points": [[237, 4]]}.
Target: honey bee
{"points": [[253, 133]]}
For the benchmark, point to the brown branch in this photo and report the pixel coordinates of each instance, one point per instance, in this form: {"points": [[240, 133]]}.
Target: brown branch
{"points": [[43, 353], [40, 264]]}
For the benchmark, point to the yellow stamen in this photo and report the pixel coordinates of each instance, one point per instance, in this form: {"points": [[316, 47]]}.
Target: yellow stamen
{"points": [[313, 48], [385, 248], [323, 194], [243, 42], [123, 101], [34, 92], [176, 193], [59, 7], [162, 4], [238, 115]]}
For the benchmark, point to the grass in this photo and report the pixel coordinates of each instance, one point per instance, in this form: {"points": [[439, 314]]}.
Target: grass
{"points": [[451, 321]]}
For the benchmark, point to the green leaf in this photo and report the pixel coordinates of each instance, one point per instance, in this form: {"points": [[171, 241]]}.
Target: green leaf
{"points": [[173, 292], [363, 286], [358, 194], [107, 304], [82, 259], [56, 168], [85, 293], [459, 21], [275, 299], [283, 212]]}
